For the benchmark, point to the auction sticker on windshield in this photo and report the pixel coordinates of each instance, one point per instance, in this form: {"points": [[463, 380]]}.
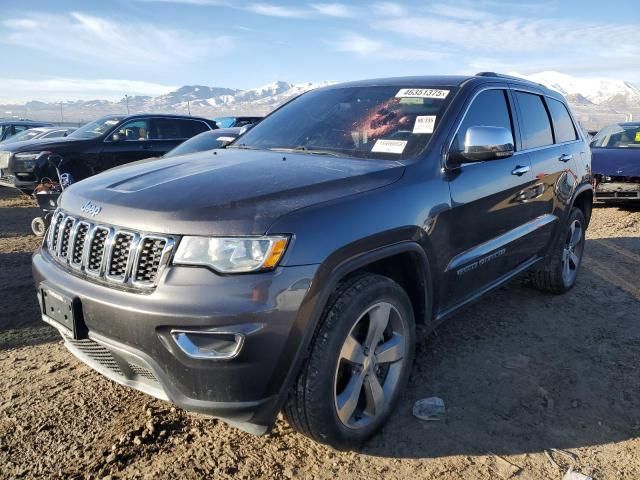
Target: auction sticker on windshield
{"points": [[422, 93], [389, 146], [424, 124]]}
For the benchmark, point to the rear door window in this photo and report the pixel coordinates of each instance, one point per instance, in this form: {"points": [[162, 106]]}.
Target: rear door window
{"points": [[190, 128], [489, 109], [563, 126], [177, 129], [535, 124]]}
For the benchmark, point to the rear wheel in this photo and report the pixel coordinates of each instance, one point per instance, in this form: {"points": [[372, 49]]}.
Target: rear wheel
{"points": [[359, 363], [561, 270]]}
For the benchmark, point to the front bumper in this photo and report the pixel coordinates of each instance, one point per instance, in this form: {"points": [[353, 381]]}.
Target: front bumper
{"points": [[129, 337], [27, 183], [617, 191]]}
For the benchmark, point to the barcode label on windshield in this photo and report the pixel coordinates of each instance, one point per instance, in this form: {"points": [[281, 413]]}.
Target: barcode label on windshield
{"points": [[422, 93], [389, 146]]}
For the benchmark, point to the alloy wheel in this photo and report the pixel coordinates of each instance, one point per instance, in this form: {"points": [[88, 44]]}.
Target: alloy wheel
{"points": [[572, 252], [370, 365]]}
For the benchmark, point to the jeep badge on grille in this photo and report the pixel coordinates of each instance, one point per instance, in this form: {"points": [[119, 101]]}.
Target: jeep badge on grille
{"points": [[91, 208]]}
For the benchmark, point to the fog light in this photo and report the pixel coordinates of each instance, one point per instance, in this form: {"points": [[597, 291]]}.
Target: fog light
{"points": [[208, 345]]}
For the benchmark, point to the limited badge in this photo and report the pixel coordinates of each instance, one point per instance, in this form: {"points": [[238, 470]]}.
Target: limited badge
{"points": [[389, 146]]}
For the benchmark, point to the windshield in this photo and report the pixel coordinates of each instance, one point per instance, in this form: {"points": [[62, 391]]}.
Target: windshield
{"points": [[379, 122], [202, 142], [97, 128], [24, 136], [618, 136]]}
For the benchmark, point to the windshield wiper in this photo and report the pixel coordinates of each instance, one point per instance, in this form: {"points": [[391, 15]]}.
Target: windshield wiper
{"points": [[311, 151], [244, 146]]}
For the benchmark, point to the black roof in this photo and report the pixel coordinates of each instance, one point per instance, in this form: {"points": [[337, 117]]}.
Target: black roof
{"points": [[9, 121], [448, 81], [124, 116]]}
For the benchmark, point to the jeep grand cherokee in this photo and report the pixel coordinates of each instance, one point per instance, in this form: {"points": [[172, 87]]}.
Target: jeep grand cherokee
{"points": [[290, 272]]}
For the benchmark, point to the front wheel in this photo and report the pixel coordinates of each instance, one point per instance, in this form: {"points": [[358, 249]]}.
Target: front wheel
{"points": [[358, 365], [560, 272], [38, 226]]}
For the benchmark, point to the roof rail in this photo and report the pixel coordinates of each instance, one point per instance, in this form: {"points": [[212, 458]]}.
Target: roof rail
{"points": [[507, 77]]}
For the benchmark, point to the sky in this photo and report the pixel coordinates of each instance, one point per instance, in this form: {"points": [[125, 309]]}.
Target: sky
{"points": [[57, 50]]}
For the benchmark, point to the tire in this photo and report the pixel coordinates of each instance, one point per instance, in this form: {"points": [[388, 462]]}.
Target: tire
{"points": [[347, 357], [559, 273], [38, 226]]}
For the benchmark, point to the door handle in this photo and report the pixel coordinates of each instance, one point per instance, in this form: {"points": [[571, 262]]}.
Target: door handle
{"points": [[520, 170], [146, 146], [565, 158]]}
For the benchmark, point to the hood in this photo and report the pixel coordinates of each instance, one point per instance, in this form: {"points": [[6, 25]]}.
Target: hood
{"points": [[231, 192], [618, 162], [42, 144]]}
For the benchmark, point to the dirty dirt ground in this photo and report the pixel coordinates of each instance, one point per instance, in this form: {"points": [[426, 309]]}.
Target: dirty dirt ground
{"points": [[533, 385]]}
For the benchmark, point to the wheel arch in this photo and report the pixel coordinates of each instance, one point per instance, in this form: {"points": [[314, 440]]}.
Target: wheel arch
{"points": [[583, 199], [331, 274]]}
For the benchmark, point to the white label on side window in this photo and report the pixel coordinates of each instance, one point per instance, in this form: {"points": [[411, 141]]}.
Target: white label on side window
{"points": [[424, 124], [422, 93], [389, 146]]}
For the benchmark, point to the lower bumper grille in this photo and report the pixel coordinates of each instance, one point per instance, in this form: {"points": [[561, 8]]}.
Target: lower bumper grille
{"points": [[101, 355]]}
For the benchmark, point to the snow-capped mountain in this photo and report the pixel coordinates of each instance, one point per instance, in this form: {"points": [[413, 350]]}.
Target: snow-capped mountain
{"points": [[596, 90], [595, 101], [197, 99]]}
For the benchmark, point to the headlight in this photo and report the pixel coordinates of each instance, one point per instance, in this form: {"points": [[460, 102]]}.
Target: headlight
{"points": [[29, 155], [232, 255]]}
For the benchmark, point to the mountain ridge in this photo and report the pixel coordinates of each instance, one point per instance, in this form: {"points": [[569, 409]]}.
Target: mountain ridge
{"points": [[595, 101]]}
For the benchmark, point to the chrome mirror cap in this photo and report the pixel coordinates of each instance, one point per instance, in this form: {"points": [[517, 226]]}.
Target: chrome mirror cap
{"points": [[487, 143]]}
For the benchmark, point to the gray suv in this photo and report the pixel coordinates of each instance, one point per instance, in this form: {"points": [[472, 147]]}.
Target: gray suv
{"points": [[289, 270]]}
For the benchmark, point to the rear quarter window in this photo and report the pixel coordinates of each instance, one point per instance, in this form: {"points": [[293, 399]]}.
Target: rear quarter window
{"points": [[534, 121], [563, 126]]}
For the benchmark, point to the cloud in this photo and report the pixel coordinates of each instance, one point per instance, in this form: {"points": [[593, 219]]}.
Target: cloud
{"points": [[478, 32], [208, 3], [333, 9], [56, 89], [389, 9], [271, 10], [460, 13], [376, 50], [88, 38]]}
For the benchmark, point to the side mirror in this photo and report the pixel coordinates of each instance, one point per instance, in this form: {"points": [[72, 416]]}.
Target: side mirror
{"points": [[224, 141], [246, 128], [116, 137], [485, 143]]}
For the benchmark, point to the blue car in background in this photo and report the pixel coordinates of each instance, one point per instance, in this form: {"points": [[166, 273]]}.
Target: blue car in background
{"points": [[230, 122], [616, 162]]}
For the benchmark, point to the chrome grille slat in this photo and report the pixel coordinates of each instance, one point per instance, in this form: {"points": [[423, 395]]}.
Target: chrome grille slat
{"points": [[106, 253]]}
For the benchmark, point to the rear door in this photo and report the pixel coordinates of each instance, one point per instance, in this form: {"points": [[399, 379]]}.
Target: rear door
{"points": [[168, 133], [550, 141], [486, 197]]}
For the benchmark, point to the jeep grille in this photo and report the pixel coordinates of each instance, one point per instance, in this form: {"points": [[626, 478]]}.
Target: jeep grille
{"points": [[108, 253]]}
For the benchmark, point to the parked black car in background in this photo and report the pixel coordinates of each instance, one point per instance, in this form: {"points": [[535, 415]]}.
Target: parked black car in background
{"points": [[291, 272], [97, 146], [206, 141], [9, 128], [38, 133], [616, 162], [229, 122]]}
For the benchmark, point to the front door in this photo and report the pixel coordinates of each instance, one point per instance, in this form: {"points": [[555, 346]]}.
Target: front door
{"points": [[486, 198], [133, 143]]}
